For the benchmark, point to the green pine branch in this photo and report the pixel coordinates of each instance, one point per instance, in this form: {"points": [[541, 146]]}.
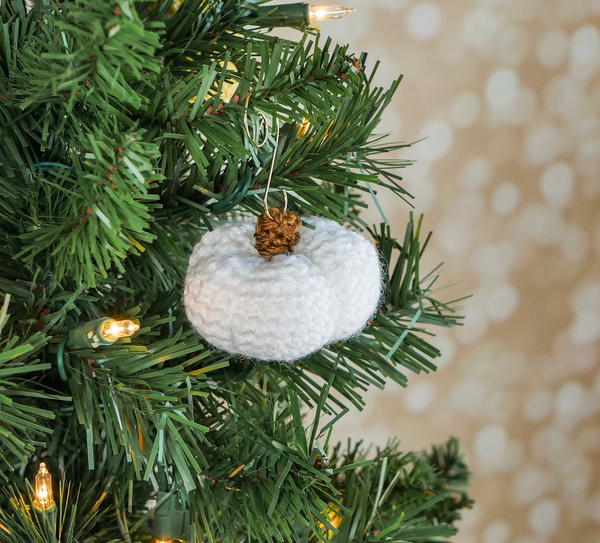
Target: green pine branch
{"points": [[24, 422], [117, 153]]}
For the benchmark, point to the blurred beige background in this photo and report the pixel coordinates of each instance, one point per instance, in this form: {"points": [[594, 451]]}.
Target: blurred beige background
{"points": [[508, 94]]}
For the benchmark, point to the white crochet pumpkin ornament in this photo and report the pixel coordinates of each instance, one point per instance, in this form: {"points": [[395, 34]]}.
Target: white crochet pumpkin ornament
{"points": [[278, 290]]}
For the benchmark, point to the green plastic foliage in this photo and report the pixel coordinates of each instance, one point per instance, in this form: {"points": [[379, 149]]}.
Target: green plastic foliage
{"points": [[90, 216], [121, 115], [24, 423], [119, 149]]}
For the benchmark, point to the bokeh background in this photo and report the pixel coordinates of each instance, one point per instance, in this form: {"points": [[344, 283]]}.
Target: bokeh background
{"points": [[507, 93]]}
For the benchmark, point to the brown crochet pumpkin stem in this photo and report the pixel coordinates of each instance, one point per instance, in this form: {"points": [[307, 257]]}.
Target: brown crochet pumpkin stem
{"points": [[277, 232]]}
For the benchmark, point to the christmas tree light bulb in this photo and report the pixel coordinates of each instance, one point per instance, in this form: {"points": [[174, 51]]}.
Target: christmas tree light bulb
{"points": [[112, 329], [44, 498], [322, 13], [303, 128]]}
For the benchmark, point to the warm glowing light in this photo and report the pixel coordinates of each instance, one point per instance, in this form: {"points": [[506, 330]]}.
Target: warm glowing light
{"points": [[333, 512], [113, 329], [335, 519], [44, 498], [173, 9], [303, 128], [322, 13], [163, 541]]}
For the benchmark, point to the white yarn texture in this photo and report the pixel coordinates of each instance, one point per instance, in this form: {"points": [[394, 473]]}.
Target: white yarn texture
{"points": [[287, 307]]}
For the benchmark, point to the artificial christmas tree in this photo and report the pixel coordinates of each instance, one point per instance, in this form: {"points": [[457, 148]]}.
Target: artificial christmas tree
{"points": [[129, 130]]}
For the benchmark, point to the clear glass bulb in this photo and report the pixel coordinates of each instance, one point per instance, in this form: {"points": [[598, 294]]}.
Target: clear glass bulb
{"points": [[303, 128], [44, 497], [322, 13], [113, 329]]}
